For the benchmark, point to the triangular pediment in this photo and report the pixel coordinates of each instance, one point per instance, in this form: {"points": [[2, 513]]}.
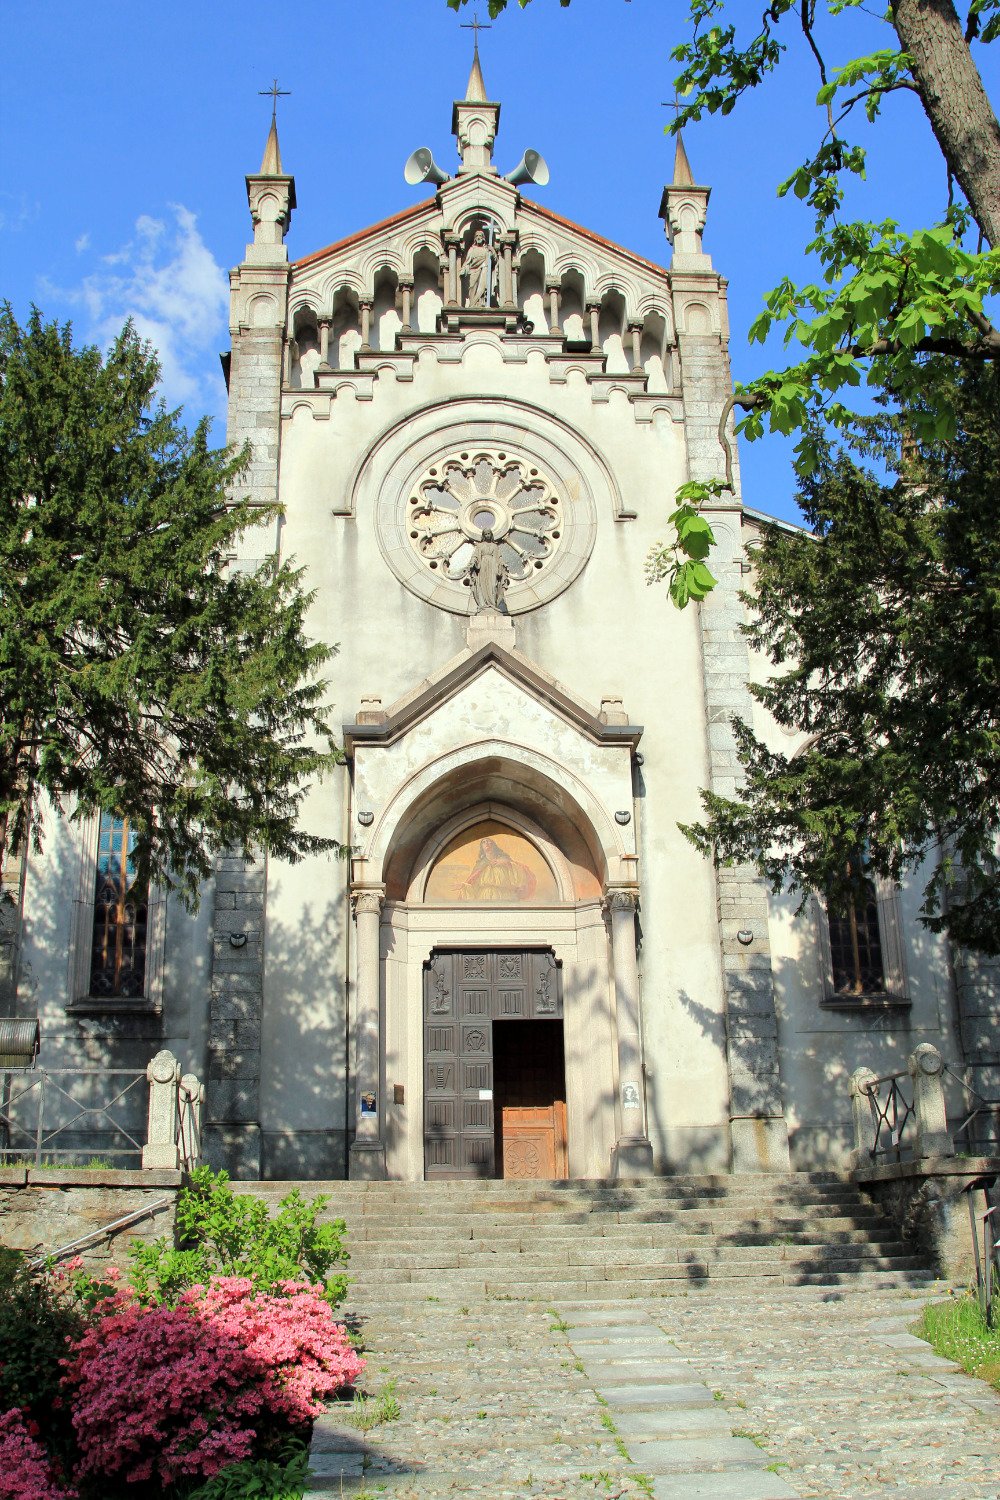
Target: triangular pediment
{"points": [[378, 726]]}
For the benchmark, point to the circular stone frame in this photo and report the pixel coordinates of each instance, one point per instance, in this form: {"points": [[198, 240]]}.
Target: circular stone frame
{"points": [[396, 464]]}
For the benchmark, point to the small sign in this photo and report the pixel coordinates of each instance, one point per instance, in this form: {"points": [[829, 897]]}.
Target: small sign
{"points": [[369, 1102], [630, 1096], [486, 1093]]}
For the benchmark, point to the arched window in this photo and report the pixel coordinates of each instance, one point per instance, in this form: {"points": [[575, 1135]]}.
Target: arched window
{"points": [[121, 902], [855, 935]]}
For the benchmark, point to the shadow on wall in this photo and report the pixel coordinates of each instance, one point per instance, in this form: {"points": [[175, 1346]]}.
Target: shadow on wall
{"points": [[304, 1035], [696, 1149], [821, 1045]]}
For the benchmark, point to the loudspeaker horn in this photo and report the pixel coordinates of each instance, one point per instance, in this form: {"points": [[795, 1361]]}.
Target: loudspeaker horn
{"points": [[531, 168], [421, 167]]}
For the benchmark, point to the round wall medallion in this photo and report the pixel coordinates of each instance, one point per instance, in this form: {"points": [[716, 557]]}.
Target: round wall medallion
{"points": [[475, 491], [437, 481]]}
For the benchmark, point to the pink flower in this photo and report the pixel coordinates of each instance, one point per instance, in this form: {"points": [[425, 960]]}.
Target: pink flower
{"points": [[25, 1470]]}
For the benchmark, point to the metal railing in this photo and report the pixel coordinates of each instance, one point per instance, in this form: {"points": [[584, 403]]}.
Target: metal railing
{"points": [[106, 1232], [124, 1117], [986, 1246], [41, 1108], [891, 1116], [979, 1132]]}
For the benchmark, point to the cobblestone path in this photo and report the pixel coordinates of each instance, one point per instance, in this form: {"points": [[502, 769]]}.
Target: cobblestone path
{"points": [[758, 1394]]}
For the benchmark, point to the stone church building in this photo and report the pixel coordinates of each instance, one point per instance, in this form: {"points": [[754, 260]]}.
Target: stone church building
{"points": [[475, 416]]}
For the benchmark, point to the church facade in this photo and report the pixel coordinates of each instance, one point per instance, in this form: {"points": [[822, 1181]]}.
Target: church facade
{"points": [[474, 416]]}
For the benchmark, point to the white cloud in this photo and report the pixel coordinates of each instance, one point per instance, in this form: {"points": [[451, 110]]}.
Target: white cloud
{"points": [[167, 281], [81, 244], [17, 211]]}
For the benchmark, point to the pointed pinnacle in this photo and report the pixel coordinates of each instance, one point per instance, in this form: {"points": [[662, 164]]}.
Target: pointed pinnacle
{"points": [[682, 167], [271, 165], [475, 92]]}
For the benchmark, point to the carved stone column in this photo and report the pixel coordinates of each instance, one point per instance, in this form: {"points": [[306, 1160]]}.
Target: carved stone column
{"points": [[553, 288], [160, 1151], [506, 271], [286, 374], [594, 313], [633, 1154], [366, 323], [635, 329], [406, 289], [324, 343], [368, 1149], [451, 295]]}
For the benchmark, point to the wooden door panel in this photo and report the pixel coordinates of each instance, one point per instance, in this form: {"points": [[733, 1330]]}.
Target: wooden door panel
{"points": [[465, 994]]}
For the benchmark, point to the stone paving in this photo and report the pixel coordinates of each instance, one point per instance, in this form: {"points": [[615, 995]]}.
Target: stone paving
{"points": [[710, 1395]]}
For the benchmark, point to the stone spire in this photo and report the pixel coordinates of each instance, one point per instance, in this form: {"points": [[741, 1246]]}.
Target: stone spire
{"points": [[271, 196], [683, 209], [474, 122], [271, 164], [475, 92]]}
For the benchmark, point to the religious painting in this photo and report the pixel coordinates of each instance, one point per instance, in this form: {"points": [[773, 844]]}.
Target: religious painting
{"points": [[492, 863]]}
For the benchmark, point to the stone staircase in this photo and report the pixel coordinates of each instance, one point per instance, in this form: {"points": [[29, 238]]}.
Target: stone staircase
{"points": [[594, 1242]]}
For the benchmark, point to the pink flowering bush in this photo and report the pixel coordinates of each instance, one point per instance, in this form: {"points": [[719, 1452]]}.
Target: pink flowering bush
{"points": [[172, 1393], [25, 1468], [302, 1354]]}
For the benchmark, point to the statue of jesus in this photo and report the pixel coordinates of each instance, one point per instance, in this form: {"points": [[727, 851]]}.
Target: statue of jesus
{"points": [[476, 265], [488, 574]]}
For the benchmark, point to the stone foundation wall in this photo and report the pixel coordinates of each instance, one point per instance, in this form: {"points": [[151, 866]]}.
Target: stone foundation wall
{"points": [[931, 1208], [42, 1210]]}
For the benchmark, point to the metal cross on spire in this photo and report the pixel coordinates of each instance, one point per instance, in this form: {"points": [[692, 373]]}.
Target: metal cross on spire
{"points": [[275, 94], [476, 26], [676, 104]]}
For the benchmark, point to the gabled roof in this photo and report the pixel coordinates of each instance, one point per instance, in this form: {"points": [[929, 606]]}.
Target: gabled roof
{"points": [[363, 234], [527, 207], [463, 669]]}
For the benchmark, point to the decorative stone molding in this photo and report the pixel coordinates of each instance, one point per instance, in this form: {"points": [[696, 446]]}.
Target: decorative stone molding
{"points": [[363, 903], [621, 898], [477, 490]]}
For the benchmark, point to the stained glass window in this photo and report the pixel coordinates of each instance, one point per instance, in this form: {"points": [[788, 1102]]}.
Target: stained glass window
{"points": [[118, 955], [855, 939]]}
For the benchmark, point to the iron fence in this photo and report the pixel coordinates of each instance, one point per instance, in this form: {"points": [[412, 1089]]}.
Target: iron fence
{"points": [[56, 1116], [891, 1116], [979, 1132]]}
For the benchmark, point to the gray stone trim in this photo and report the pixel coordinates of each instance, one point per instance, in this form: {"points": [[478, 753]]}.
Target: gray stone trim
{"points": [[758, 1130], [232, 1106]]}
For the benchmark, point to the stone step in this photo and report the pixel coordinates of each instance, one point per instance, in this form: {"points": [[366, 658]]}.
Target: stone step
{"points": [[496, 1258]]}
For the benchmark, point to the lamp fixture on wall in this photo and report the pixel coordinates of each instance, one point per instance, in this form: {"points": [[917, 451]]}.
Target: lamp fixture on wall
{"points": [[366, 819]]}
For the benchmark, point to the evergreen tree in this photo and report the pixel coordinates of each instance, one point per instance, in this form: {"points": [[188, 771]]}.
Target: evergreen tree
{"points": [[883, 627], [140, 672]]}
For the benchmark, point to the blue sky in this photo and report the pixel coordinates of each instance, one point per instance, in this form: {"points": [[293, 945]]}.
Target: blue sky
{"points": [[127, 131]]}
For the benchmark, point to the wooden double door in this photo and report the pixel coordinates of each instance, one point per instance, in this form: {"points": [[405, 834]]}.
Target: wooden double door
{"points": [[494, 1065]]}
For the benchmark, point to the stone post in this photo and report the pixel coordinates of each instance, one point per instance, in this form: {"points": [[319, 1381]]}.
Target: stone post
{"points": [[406, 288], [368, 1149], [366, 323], [160, 1151], [191, 1097], [289, 360], [633, 1154], [594, 314], [635, 330], [861, 1112], [925, 1066], [553, 288], [324, 343]]}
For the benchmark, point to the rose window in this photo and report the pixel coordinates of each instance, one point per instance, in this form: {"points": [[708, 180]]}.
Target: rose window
{"points": [[468, 494]]}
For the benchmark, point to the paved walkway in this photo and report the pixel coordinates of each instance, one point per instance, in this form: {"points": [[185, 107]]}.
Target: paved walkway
{"points": [[754, 1395]]}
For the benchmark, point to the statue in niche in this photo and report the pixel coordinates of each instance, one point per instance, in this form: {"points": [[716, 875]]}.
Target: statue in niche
{"points": [[488, 573], [477, 266], [308, 346]]}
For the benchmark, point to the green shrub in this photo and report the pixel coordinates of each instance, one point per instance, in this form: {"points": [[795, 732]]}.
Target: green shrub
{"points": [[280, 1478], [36, 1318], [222, 1234]]}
